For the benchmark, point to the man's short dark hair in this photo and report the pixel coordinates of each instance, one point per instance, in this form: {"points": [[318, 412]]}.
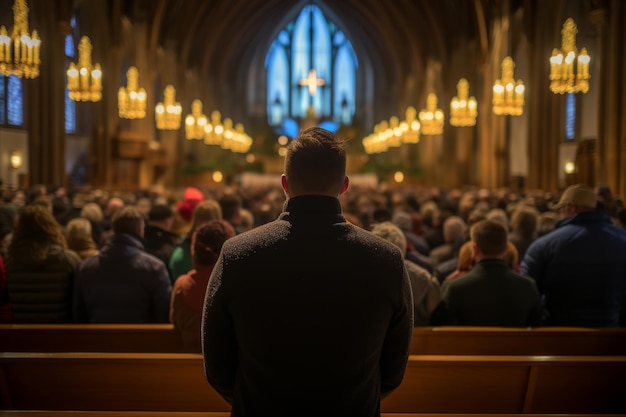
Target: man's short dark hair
{"points": [[491, 237], [230, 204], [316, 162], [127, 220], [160, 212]]}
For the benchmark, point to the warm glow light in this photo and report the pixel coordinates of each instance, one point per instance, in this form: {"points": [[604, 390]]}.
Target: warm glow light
{"points": [[85, 82], [312, 82], [194, 122], [15, 159], [218, 176], [508, 93], [168, 113], [431, 117], [282, 151], [282, 140], [393, 133], [19, 52], [463, 109], [398, 176], [570, 167], [564, 78], [131, 100], [250, 158]]}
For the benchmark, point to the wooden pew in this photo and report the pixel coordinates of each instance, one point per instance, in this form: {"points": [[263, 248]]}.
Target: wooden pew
{"points": [[162, 338], [148, 338], [34, 413], [432, 384], [464, 340]]}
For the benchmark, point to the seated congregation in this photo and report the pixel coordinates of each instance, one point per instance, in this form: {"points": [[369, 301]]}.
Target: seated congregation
{"points": [[474, 257]]}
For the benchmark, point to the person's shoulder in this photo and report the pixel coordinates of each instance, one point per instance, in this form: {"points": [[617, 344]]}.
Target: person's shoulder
{"points": [[264, 235]]}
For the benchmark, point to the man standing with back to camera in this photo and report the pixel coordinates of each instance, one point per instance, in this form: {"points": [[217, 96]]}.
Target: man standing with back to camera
{"points": [[308, 315]]}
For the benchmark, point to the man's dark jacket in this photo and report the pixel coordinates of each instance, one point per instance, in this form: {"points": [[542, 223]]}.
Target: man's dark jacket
{"points": [[307, 315], [580, 270]]}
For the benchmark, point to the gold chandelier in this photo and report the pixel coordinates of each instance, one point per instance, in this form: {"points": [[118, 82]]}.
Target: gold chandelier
{"points": [[431, 117], [410, 126], [195, 122], [234, 139], [393, 133], [508, 93], [85, 82], [168, 112], [562, 77], [19, 53], [463, 109], [131, 100]]}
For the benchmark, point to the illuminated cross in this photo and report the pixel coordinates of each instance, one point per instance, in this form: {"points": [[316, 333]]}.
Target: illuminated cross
{"points": [[312, 82]]}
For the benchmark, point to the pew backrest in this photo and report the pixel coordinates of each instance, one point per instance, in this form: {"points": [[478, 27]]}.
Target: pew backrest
{"points": [[148, 338], [460, 340], [432, 384]]}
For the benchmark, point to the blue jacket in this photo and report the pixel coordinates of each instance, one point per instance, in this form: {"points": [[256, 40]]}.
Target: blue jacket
{"points": [[580, 270], [123, 284]]}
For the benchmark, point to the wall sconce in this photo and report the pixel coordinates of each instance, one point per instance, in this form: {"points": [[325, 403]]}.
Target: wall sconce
{"points": [[15, 159], [569, 167]]}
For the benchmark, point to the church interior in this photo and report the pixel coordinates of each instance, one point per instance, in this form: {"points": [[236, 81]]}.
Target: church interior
{"points": [[124, 94]]}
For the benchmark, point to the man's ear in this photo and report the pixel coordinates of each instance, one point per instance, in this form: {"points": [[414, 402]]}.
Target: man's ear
{"points": [[283, 180], [346, 184]]}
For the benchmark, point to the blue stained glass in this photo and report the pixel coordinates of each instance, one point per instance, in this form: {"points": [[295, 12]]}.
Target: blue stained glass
{"points": [[70, 114], [345, 85], [283, 37], [311, 42], [69, 46], [570, 116], [15, 109], [2, 101]]}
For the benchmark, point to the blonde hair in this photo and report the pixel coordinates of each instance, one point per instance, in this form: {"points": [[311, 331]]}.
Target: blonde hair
{"points": [[92, 211], [205, 212]]}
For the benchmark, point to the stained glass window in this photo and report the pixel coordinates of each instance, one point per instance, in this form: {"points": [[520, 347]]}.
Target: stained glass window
{"points": [[311, 63], [70, 105], [570, 116], [15, 105], [3, 102]]}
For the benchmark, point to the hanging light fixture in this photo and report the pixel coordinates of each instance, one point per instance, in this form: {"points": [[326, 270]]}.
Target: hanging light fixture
{"points": [[195, 122], [131, 100], [85, 82], [19, 52], [508, 93], [214, 131], [168, 112], [410, 126], [463, 109], [431, 118], [562, 77]]}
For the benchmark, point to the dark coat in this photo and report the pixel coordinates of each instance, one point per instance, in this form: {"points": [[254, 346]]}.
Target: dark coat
{"points": [[491, 294], [159, 242], [123, 284], [580, 270], [40, 291], [307, 315]]}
